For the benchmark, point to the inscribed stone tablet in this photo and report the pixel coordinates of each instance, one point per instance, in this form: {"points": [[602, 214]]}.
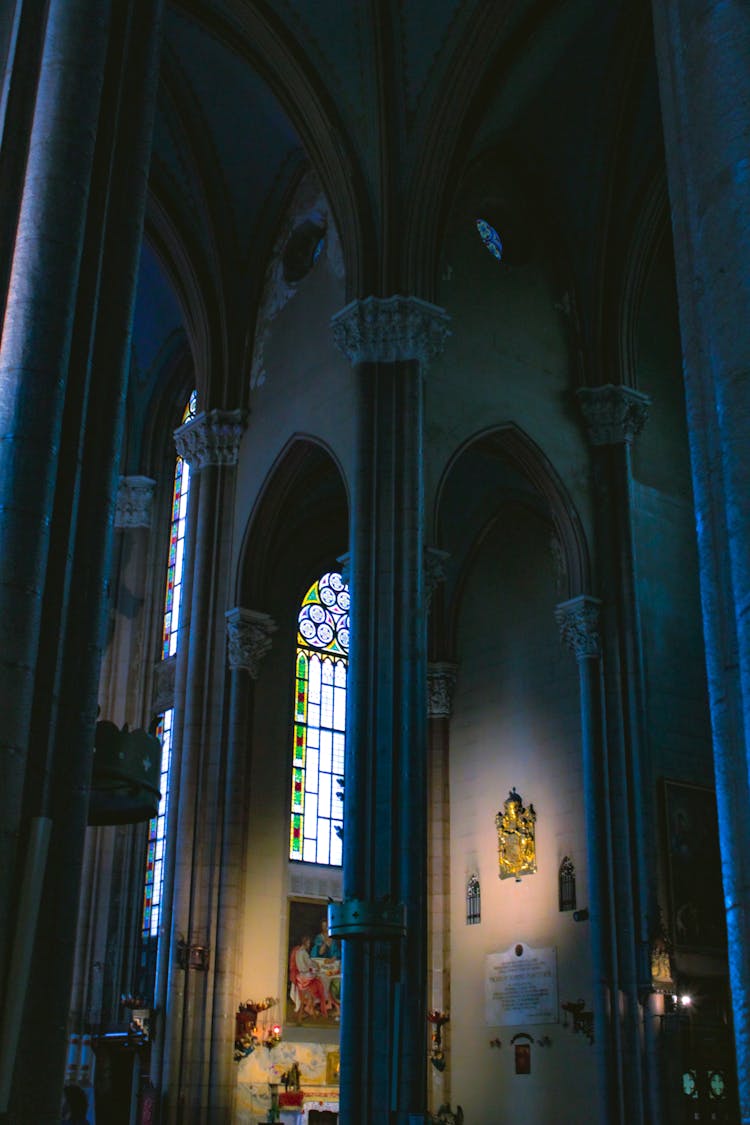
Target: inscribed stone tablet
{"points": [[521, 986]]}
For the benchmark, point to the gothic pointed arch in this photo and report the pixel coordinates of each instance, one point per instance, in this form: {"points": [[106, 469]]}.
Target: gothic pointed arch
{"points": [[299, 522], [499, 462]]}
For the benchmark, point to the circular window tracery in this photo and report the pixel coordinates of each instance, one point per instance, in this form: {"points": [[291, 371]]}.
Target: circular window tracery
{"points": [[324, 618]]}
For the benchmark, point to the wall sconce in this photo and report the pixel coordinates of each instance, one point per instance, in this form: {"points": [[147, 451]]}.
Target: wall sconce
{"points": [[438, 1019], [247, 1034], [190, 955], [140, 1019], [677, 1003]]}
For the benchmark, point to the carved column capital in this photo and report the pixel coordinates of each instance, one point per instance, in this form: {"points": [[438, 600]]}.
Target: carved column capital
{"points": [[134, 504], [390, 329], [441, 680], [211, 438], [248, 639], [613, 414], [578, 622], [435, 568]]}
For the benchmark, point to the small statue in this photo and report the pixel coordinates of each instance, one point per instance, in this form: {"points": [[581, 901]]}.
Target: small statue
{"points": [[446, 1116], [290, 1078]]}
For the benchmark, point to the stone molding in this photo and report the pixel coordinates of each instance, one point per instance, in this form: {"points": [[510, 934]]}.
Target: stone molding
{"points": [[613, 414], [162, 685], [344, 562], [248, 639], [211, 438], [435, 570], [134, 504], [390, 330], [441, 681], [578, 622]]}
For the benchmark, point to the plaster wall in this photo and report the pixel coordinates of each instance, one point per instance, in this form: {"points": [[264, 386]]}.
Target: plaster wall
{"points": [[516, 723], [308, 389], [509, 359]]}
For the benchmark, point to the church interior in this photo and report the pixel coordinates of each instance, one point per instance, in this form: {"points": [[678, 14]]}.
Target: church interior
{"points": [[375, 561]]}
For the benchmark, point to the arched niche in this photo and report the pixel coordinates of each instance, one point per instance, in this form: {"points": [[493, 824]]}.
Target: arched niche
{"points": [[298, 526], [496, 465], [296, 530]]}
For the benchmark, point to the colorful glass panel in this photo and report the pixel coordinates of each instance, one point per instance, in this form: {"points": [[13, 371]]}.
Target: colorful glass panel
{"points": [[490, 238], [155, 853], [154, 884], [317, 804], [178, 526]]}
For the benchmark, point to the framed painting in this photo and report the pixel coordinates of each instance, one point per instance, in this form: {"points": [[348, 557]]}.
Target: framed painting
{"points": [[313, 992], [696, 908], [333, 1067]]}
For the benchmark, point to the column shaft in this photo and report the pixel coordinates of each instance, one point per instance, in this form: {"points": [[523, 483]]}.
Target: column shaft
{"points": [[34, 354], [210, 443], [579, 621], [383, 1024], [599, 856], [85, 328], [249, 637], [703, 58], [441, 680], [615, 415], [383, 1021], [223, 1077]]}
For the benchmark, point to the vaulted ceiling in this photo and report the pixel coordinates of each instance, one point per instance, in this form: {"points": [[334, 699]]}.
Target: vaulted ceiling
{"points": [[391, 102]]}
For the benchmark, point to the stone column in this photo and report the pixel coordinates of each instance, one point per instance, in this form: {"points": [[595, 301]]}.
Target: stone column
{"points": [[578, 621], [34, 355], [615, 415], [383, 1030], [249, 639], [210, 444], [74, 263], [441, 681], [703, 60], [107, 932]]}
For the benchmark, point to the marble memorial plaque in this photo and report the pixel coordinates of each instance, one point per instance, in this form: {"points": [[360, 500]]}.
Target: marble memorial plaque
{"points": [[521, 986]]}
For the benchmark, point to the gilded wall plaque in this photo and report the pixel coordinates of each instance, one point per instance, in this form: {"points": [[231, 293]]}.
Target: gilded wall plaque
{"points": [[516, 847]]}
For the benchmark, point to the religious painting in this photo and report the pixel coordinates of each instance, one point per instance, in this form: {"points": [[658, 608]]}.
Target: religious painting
{"points": [[313, 992], [333, 1068], [694, 867], [523, 1058]]}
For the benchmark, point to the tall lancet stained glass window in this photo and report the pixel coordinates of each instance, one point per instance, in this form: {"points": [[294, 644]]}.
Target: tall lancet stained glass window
{"points": [[154, 881], [317, 817]]}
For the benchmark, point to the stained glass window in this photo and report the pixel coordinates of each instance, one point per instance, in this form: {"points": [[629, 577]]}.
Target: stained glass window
{"points": [[317, 817], [490, 238], [157, 830], [154, 881], [176, 546]]}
